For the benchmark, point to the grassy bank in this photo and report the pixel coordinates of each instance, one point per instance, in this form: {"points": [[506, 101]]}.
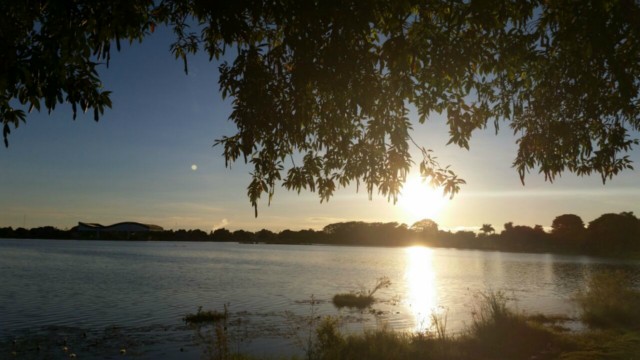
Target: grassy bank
{"points": [[609, 307]]}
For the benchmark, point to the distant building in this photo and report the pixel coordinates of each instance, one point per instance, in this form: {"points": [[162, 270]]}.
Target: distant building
{"points": [[129, 227]]}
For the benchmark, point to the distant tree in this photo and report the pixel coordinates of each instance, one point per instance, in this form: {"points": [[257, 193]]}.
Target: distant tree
{"points": [[308, 236], [48, 232], [21, 233], [388, 234], [222, 234], [359, 232], [566, 223], [508, 226], [265, 235], [243, 236], [426, 228], [343, 227], [197, 235], [568, 228], [462, 238], [521, 237], [614, 233], [425, 225], [186, 235], [487, 229], [538, 228], [350, 232], [6, 232], [334, 81]]}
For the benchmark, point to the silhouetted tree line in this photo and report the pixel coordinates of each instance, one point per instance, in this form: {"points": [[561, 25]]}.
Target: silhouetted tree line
{"points": [[609, 234]]}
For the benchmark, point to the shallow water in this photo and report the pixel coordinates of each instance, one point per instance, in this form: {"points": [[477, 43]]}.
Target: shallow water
{"points": [[103, 296]]}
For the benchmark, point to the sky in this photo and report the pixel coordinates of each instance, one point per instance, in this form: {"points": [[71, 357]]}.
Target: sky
{"points": [[151, 159]]}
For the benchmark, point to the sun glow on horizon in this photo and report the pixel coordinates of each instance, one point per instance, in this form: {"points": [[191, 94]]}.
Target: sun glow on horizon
{"points": [[419, 200]]}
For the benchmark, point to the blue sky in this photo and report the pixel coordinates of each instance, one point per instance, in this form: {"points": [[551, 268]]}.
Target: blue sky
{"points": [[136, 164]]}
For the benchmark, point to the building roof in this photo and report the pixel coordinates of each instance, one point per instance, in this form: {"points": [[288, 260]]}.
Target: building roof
{"points": [[121, 226]]}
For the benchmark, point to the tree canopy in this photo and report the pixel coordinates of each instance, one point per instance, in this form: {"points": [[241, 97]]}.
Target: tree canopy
{"points": [[569, 227], [608, 235], [487, 229], [322, 90]]}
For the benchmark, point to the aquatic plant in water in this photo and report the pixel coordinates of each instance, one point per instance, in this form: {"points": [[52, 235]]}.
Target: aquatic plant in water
{"points": [[360, 299], [206, 316]]}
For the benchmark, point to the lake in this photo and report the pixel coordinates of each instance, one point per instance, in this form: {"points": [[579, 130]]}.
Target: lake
{"points": [[100, 297]]}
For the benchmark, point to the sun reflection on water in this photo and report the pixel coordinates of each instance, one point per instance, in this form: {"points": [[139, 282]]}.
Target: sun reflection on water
{"points": [[421, 282]]}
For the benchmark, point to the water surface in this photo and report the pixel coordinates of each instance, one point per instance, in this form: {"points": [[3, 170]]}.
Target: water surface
{"points": [[106, 295]]}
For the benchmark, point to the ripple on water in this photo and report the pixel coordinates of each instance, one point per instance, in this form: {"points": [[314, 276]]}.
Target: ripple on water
{"points": [[138, 293]]}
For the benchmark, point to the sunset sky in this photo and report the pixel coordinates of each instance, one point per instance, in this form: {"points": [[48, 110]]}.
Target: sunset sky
{"points": [[150, 159]]}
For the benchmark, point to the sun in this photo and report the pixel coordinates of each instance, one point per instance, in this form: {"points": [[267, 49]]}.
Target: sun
{"points": [[419, 200]]}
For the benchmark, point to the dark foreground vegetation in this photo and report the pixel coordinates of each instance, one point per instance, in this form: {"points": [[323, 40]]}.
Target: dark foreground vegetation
{"points": [[495, 332], [609, 235]]}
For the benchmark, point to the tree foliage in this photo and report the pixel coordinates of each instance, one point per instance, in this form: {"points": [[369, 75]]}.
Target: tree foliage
{"points": [[566, 223], [619, 232], [322, 90], [487, 229], [568, 227], [607, 235], [426, 226]]}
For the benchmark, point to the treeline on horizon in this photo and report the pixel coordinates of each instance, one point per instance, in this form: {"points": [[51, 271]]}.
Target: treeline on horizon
{"points": [[609, 234]]}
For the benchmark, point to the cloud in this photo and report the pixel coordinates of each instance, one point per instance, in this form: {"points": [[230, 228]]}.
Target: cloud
{"points": [[222, 223], [324, 220]]}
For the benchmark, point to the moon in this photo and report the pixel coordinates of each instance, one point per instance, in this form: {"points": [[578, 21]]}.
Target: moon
{"points": [[194, 167]]}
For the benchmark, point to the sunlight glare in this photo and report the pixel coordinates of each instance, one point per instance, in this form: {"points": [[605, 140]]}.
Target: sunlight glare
{"points": [[420, 201], [421, 281]]}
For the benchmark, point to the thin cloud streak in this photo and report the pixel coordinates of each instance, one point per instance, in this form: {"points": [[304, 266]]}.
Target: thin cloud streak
{"points": [[555, 193]]}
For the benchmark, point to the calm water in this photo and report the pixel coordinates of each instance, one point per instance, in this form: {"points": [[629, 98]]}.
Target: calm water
{"points": [[102, 296]]}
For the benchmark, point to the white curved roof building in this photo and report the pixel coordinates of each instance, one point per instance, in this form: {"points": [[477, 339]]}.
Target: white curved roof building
{"points": [[128, 226]]}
